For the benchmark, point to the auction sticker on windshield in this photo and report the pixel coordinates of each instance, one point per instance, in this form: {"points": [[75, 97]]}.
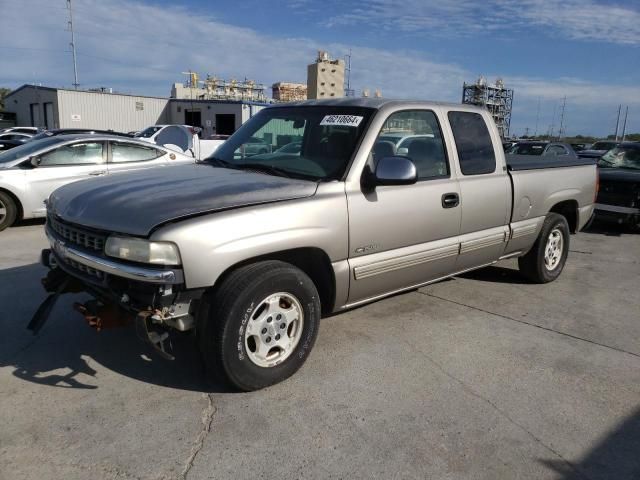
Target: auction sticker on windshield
{"points": [[346, 120]]}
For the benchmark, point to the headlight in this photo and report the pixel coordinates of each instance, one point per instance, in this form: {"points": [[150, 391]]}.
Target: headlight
{"points": [[144, 251]]}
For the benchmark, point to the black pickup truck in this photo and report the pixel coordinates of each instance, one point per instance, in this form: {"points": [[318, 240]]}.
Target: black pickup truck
{"points": [[619, 195]]}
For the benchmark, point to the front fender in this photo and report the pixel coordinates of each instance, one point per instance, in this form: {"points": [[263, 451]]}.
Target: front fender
{"points": [[211, 244]]}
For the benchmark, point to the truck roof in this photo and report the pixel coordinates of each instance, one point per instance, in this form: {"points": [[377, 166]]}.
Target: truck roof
{"points": [[376, 103]]}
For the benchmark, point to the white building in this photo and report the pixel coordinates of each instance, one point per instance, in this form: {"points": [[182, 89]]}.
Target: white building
{"points": [[49, 107]]}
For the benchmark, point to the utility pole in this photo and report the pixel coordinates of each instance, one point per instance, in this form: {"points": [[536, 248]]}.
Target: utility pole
{"points": [[561, 130], [624, 124], [535, 133], [618, 121], [553, 122], [347, 91], [73, 46]]}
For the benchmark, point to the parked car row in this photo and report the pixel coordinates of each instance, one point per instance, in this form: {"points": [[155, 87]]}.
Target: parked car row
{"points": [[545, 149], [619, 173], [31, 171]]}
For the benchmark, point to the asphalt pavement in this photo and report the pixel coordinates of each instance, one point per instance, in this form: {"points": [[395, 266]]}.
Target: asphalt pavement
{"points": [[479, 377]]}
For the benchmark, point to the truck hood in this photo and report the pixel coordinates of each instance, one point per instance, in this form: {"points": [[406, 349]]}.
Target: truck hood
{"points": [[136, 203]]}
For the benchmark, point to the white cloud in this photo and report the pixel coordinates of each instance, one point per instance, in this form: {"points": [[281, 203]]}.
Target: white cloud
{"points": [[574, 19], [591, 108], [583, 20], [131, 43], [142, 48]]}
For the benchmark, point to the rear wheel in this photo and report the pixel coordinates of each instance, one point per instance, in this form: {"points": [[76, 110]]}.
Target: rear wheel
{"points": [[260, 325], [8, 211], [546, 259]]}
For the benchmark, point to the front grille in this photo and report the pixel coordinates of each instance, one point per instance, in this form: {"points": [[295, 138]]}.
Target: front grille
{"points": [[84, 269], [77, 235]]}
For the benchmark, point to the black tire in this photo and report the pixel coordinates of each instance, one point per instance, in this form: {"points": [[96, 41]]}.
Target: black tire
{"points": [[533, 265], [8, 211], [225, 315]]}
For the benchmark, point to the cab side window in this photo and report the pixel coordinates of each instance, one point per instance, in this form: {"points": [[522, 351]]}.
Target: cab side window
{"points": [[414, 134], [89, 153], [473, 142]]}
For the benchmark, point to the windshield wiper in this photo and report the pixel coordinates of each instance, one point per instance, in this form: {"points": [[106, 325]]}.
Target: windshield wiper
{"points": [[609, 162], [270, 169]]}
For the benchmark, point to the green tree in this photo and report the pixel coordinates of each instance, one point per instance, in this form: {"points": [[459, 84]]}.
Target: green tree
{"points": [[3, 93]]}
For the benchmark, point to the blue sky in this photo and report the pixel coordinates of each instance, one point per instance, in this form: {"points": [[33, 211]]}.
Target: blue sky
{"points": [[588, 51]]}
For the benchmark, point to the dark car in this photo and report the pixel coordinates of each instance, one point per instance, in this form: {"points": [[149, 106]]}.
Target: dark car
{"points": [[6, 144], [547, 149], [579, 147], [598, 149], [74, 131], [619, 195]]}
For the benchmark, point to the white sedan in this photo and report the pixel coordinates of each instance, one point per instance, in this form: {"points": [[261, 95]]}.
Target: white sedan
{"points": [[30, 172]]}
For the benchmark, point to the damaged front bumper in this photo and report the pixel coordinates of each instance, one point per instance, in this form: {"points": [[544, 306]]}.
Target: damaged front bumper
{"points": [[155, 299]]}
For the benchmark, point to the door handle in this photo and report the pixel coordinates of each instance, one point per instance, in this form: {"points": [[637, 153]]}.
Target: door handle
{"points": [[95, 174], [450, 200]]}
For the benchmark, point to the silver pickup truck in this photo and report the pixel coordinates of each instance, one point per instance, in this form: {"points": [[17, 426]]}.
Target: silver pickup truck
{"points": [[249, 250]]}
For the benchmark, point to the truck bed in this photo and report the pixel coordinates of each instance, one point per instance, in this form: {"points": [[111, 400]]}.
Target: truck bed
{"points": [[534, 162]]}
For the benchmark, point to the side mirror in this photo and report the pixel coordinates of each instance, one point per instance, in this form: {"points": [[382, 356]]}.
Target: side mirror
{"points": [[34, 161], [395, 171]]}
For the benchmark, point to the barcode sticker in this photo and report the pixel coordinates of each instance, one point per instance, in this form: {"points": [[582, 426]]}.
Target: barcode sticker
{"points": [[345, 120]]}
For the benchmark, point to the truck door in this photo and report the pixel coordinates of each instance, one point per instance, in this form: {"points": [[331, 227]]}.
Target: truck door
{"points": [[404, 235], [485, 190]]}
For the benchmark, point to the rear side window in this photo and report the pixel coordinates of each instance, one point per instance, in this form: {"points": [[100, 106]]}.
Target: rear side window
{"points": [[126, 152], [473, 142]]}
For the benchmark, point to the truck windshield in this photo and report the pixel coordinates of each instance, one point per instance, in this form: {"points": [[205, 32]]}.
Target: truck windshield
{"points": [[621, 157], [325, 139]]}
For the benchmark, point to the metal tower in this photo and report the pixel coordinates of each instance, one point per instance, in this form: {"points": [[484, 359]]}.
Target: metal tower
{"points": [[495, 98]]}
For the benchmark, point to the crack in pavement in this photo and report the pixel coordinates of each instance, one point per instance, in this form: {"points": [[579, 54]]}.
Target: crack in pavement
{"points": [[502, 413], [207, 419], [506, 317]]}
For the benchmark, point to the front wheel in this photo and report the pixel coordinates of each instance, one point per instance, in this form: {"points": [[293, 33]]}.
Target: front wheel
{"points": [[8, 211], [546, 259], [260, 325]]}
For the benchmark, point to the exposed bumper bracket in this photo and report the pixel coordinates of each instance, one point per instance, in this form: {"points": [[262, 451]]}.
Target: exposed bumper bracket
{"points": [[159, 340]]}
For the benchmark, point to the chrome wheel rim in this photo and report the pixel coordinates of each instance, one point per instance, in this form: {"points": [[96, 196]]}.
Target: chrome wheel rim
{"points": [[274, 329], [3, 211], [553, 249]]}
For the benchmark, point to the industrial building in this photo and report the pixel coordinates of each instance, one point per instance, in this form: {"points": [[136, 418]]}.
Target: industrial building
{"points": [[288, 92], [66, 108], [495, 98], [214, 88], [325, 77], [49, 107], [222, 117]]}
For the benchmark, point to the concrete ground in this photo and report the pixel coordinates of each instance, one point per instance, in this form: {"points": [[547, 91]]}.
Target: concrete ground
{"points": [[480, 377]]}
